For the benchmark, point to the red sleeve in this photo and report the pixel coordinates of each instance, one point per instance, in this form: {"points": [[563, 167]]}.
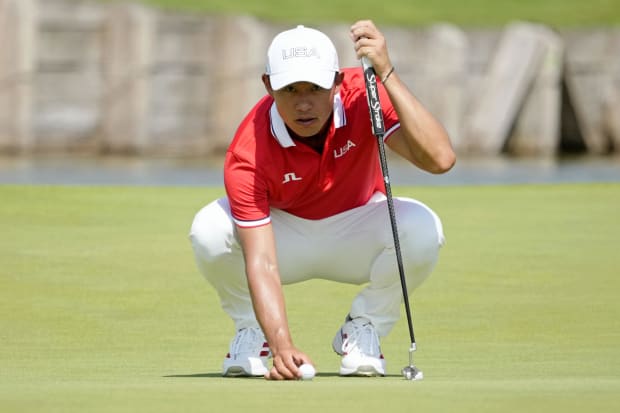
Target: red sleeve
{"points": [[357, 88], [246, 190], [390, 118]]}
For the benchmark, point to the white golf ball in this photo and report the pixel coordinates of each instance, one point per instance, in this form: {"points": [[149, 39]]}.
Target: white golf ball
{"points": [[307, 371]]}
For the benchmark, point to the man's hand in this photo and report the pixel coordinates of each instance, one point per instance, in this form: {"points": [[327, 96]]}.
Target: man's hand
{"points": [[369, 42], [286, 364]]}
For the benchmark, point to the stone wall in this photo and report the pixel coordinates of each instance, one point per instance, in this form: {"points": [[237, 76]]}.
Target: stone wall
{"points": [[80, 76]]}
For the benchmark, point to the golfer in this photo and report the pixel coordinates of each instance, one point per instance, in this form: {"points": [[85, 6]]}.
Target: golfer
{"points": [[305, 200]]}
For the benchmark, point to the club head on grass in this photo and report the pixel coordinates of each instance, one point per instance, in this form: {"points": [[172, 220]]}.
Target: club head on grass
{"points": [[412, 373]]}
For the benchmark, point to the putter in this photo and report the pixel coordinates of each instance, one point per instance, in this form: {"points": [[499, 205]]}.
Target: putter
{"points": [[409, 372]]}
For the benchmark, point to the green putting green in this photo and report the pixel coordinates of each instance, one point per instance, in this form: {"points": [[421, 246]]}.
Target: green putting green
{"points": [[102, 308]]}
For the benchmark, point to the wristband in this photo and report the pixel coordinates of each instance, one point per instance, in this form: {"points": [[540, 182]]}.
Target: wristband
{"points": [[387, 76]]}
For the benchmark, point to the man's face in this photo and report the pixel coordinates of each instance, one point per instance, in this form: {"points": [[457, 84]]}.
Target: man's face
{"points": [[305, 107]]}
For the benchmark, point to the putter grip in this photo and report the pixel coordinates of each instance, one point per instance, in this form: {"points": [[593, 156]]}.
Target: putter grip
{"points": [[372, 94]]}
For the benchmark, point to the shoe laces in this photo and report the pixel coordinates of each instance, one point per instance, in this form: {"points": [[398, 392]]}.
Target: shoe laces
{"points": [[248, 340], [362, 337]]}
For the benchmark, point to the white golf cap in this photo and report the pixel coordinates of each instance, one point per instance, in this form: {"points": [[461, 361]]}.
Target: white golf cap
{"points": [[301, 55]]}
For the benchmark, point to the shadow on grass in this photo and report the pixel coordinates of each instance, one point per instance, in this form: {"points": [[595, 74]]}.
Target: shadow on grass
{"points": [[219, 376]]}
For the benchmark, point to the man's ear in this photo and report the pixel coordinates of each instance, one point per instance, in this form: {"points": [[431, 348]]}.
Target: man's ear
{"points": [[267, 84], [338, 78]]}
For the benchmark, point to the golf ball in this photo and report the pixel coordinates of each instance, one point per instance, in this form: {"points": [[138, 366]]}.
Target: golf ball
{"points": [[307, 371]]}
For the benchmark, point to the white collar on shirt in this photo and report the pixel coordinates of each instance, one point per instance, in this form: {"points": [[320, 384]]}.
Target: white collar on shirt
{"points": [[278, 128]]}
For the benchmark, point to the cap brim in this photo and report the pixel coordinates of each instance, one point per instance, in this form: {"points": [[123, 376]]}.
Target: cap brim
{"points": [[322, 78]]}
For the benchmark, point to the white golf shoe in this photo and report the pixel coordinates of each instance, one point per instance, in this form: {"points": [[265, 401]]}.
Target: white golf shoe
{"points": [[248, 355], [358, 344]]}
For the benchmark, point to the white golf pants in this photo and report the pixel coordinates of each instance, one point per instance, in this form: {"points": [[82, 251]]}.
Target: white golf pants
{"points": [[354, 247]]}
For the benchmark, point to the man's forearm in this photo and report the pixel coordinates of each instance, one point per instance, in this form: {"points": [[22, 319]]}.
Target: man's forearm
{"points": [[425, 141], [270, 308]]}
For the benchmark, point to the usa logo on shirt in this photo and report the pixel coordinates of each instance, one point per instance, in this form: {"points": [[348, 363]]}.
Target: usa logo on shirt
{"points": [[342, 151]]}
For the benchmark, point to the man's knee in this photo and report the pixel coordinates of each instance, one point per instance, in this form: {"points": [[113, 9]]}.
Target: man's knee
{"points": [[421, 232], [212, 231]]}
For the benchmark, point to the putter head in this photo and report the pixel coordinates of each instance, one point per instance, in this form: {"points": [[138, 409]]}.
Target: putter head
{"points": [[412, 373]]}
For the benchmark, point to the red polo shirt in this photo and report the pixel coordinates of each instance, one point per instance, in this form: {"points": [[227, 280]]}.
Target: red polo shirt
{"points": [[265, 169]]}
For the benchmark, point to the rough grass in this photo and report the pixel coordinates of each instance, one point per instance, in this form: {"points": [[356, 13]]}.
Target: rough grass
{"points": [[475, 13], [102, 309]]}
